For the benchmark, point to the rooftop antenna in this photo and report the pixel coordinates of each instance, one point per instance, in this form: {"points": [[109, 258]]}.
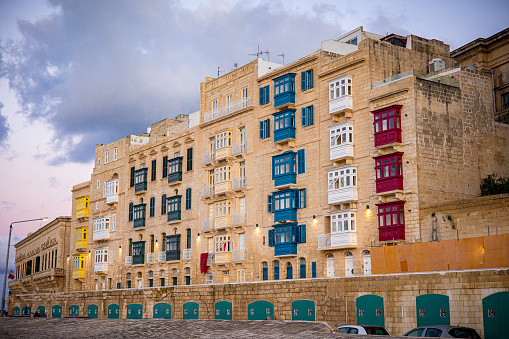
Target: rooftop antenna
{"points": [[235, 65], [268, 54], [257, 54], [219, 71], [282, 55]]}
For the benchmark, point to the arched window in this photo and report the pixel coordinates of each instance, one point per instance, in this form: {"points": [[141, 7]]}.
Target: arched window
{"points": [[289, 270], [302, 268], [265, 271], [276, 270], [348, 263]]}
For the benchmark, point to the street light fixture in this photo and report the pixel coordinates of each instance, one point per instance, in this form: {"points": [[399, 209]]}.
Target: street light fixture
{"points": [[2, 310]]}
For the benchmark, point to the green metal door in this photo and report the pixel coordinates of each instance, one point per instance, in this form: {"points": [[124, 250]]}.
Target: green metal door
{"points": [[56, 311], [134, 311], [15, 311], [495, 312], [223, 310], [162, 311], [370, 310], [432, 309], [93, 310], [191, 310], [303, 310], [260, 310], [26, 311], [113, 311], [41, 309], [74, 310]]}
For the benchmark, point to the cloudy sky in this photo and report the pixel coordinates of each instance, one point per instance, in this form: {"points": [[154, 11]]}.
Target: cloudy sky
{"points": [[78, 73]]}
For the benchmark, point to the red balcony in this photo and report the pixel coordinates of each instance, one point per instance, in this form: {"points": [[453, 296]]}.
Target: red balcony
{"points": [[389, 172], [391, 221], [387, 125]]}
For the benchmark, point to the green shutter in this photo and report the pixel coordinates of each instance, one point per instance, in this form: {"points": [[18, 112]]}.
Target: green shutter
{"points": [[262, 130], [132, 176], [267, 93], [165, 166]]}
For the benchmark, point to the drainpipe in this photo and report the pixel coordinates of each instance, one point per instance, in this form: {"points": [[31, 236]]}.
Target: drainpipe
{"points": [[434, 236]]}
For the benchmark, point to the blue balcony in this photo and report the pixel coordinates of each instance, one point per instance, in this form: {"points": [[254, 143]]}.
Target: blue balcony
{"points": [[283, 99], [285, 179], [284, 90], [285, 249], [285, 215], [284, 133]]}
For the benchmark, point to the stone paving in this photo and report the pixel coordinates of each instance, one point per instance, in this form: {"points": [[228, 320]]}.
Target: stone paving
{"points": [[158, 328]]}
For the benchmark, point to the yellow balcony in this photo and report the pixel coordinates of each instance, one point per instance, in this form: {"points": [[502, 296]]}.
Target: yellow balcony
{"points": [[78, 273], [82, 208], [222, 258], [223, 222], [81, 244], [81, 238], [82, 213], [78, 266]]}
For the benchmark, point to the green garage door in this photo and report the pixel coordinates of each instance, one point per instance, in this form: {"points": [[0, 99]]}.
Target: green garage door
{"points": [[191, 310], [41, 309], [495, 312], [113, 311], [74, 310], [134, 311], [162, 311], [26, 311], [93, 310], [370, 310], [432, 309], [15, 311], [260, 310], [56, 311], [223, 310], [303, 310]]}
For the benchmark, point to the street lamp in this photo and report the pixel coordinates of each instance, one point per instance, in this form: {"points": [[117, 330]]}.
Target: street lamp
{"points": [[7, 259]]}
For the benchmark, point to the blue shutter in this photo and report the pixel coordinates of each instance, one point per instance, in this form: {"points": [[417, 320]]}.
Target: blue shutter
{"points": [[302, 198], [131, 207], [267, 94], [262, 129], [303, 81], [267, 128], [262, 96], [313, 269], [304, 116], [271, 238], [310, 115], [302, 236], [132, 177], [301, 167], [189, 159], [270, 207], [311, 78]]}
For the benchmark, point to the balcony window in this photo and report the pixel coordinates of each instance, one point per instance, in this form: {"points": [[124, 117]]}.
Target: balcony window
{"points": [[286, 204], [284, 89], [284, 125], [505, 101], [138, 252], [82, 207], [223, 145], [78, 266], [175, 169], [387, 125], [391, 221], [140, 180], [223, 214], [342, 183], [284, 169], [284, 238], [81, 237], [173, 247], [389, 172], [102, 228], [139, 215], [342, 231], [223, 179], [101, 260], [340, 95], [111, 191], [174, 209], [341, 141], [264, 129]]}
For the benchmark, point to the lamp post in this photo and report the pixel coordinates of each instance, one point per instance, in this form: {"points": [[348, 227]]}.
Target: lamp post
{"points": [[7, 259]]}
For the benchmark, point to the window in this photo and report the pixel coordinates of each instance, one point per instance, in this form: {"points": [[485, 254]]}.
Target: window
{"points": [[131, 207], [188, 198], [188, 238], [99, 162], [245, 99], [306, 80], [132, 177], [153, 176], [265, 129], [138, 252], [285, 204], [115, 153], [139, 215], [284, 238], [284, 89], [107, 157], [284, 168], [223, 208], [264, 95], [301, 161], [352, 42], [101, 255], [102, 227], [340, 87], [341, 134], [174, 208], [284, 125], [223, 174], [140, 183], [307, 115], [224, 243], [505, 101], [152, 207], [163, 204], [342, 177], [98, 183], [223, 139], [342, 222], [110, 191], [173, 247], [175, 169], [389, 172], [391, 221], [387, 125], [165, 166], [189, 159]]}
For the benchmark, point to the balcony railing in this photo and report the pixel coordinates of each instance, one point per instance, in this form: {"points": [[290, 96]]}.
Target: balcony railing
{"points": [[78, 273], [186, 254], [128, 260], [101, 235], [222, 257], [112, 198], [207, 225], [161, 256], [337, 240], [210, 258], [341, 104], [207, 190], [150, 258], [208, 157], [238, 255], [341, 151], [226, 109], [100, 267], [81, 243], [344, 194], [239, 183], [223, 187], [239, 148], [239, 219], [222, 222], [82, 213]]}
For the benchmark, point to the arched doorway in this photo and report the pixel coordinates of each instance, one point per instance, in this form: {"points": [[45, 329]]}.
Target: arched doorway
{"points": [[330, 265], [367, 262], [289, 270], [348, 263]]}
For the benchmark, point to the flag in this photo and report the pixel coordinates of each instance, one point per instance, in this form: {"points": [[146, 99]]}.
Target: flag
{"points": [[11, 275]]}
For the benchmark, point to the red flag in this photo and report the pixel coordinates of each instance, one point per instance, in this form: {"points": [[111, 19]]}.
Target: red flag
{"points": [[11, 275]]}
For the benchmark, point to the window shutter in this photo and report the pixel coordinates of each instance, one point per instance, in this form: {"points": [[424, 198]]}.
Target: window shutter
{"points": [[310, 78], [154, 164], [301, 161], [302, 198], [113, 222], [189, 159], [313, 269], [262, 129], [304, 116], [303, 81], [270, 208], [163, 204], [132, 176], [267, 128], [310, 115], [302, 231], [267, 93], [165, 166], [271, 238], [104, 189], [262, 90], [131, 207]]}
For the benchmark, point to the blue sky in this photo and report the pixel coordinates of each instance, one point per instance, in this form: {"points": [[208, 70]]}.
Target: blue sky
{"points": [[78, 73]]}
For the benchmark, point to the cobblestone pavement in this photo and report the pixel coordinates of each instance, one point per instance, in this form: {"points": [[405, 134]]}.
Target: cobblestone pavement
{"points": [[158, 328]]}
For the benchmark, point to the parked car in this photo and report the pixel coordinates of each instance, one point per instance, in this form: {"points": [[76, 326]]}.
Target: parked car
{"points": [[443, 331], [363, 329]]}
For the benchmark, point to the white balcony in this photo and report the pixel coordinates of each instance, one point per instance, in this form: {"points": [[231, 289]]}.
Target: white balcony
{"points": [[222, 111], [239, 148], [150, 258], [111, 191], [346, 239], [186, 254], [113, 198], [208, 157], [207, 225], [210, 258], [207, 190], [101, 267], [238, 255], [128, 260], [340, 195], [239, 183], [341, 104], [101, 235], [239, 219], [341, 152], [161, 256]]}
